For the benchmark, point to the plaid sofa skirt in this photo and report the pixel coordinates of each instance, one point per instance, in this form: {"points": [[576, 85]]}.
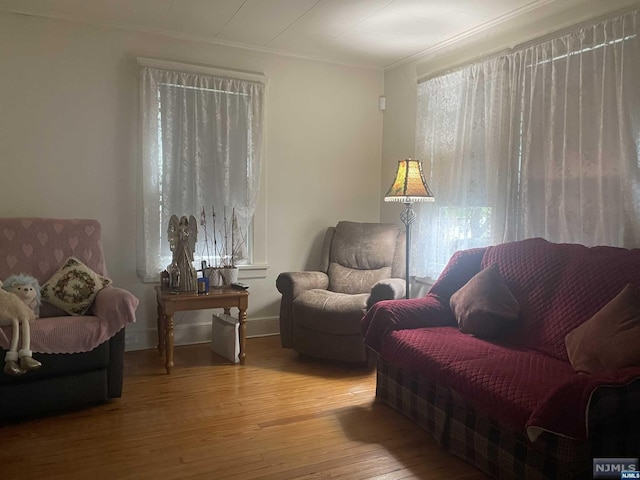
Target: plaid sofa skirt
{"points": [[505, 454]]}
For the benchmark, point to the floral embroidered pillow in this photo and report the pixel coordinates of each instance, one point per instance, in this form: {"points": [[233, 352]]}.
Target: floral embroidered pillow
{"points": [[73, 287]]}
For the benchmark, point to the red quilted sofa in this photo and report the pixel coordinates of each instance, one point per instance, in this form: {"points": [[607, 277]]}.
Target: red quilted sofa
{"points": [[513, 405]]}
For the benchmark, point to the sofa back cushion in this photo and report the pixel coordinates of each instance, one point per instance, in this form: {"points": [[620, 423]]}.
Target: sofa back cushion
{"points": [[560, 286], [38, 246], [361, 254]]}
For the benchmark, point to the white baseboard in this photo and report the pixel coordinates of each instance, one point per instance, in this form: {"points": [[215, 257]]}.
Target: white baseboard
{"points": [[187, 334], [263, 327]]}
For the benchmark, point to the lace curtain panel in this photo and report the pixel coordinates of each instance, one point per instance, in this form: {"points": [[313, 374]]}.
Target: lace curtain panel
{"points": [[542, 142], [201, 146]]}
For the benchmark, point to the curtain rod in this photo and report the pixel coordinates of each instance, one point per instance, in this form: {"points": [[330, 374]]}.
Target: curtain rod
{"points": [[457, 66], [203, 69], [499, 52]]}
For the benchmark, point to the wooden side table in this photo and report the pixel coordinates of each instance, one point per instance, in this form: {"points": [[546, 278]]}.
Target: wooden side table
{"points": [[170, 303]]}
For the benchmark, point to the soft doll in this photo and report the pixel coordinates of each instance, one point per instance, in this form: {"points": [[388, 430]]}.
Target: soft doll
{"points": [[27, 288], [19, 302]]}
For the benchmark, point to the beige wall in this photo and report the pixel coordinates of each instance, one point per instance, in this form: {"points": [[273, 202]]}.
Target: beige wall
{"points": [[68, 139]]}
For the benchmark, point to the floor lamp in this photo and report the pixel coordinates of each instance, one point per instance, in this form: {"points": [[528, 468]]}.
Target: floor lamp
{"points": [[408, 187]]}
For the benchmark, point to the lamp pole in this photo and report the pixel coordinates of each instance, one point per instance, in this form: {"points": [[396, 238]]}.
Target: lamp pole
{"points": [[407, 217]]}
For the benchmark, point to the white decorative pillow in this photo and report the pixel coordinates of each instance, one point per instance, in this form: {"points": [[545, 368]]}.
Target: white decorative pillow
{"points": [[73, 287]]}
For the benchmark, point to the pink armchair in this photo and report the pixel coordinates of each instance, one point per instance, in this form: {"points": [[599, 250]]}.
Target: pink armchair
{"points": [[81, 356]]}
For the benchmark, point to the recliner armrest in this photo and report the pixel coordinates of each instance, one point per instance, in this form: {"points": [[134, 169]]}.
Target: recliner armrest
{"points": [[113, 302], [386, 289], [291, 284]]}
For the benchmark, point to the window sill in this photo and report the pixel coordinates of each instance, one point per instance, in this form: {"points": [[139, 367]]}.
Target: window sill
{"points": [[252, 271]]}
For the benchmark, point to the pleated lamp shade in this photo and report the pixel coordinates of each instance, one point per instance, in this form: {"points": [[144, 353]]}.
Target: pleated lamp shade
{"points": [[409, 185]]}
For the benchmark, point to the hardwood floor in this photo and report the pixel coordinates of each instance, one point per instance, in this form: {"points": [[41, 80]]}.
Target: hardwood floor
{"points": [[277, 417]]}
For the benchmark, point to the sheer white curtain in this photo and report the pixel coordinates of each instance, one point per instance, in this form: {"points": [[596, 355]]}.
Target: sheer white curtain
{"points": [[579, 105], [541, 142], [463, 138], [201, 146]]}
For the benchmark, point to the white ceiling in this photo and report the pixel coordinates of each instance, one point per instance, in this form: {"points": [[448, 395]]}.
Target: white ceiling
{"points": [[371, 33]]}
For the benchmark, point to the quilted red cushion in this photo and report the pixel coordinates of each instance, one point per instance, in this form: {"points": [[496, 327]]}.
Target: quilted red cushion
{"points": [[525, 390], [506, 383], [560, 286]]}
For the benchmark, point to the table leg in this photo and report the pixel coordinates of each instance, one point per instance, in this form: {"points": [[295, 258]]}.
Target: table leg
{"points": [[161, 330], [242, 317], [169, 342]]}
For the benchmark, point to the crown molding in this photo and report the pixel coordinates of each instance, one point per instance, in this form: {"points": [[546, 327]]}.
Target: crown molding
{"points": [[537, 20], [472, 33]]}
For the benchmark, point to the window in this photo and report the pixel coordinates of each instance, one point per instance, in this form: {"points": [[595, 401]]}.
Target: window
{"points": [[542, 142], [201, 148]]}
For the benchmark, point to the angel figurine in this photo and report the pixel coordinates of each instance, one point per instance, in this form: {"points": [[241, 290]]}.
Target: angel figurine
{"points": [[183, 234]]}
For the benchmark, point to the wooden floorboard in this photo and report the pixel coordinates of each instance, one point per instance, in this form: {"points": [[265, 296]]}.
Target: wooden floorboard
{"points": [[277, 417]]}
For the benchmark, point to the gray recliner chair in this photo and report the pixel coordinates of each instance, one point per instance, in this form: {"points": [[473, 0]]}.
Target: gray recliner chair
{"points": [[320, 311]]}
